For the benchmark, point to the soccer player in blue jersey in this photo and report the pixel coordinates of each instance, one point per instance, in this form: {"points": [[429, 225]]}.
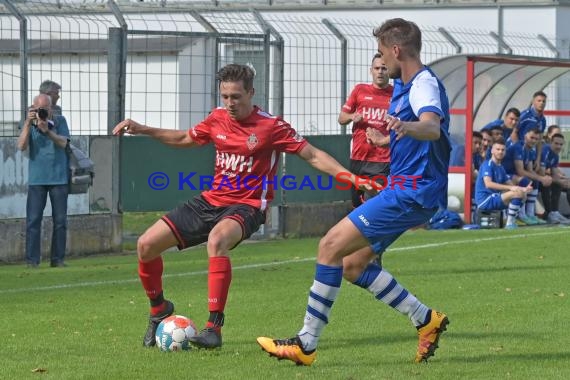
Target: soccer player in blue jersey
{"points": [[532, 118], [519, 164], [420, 148], [508, 123], [549, 165], [494, 190]]}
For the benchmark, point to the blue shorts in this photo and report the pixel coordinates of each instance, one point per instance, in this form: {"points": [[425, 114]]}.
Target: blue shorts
{"points": [[492, 203], [388, 215]]}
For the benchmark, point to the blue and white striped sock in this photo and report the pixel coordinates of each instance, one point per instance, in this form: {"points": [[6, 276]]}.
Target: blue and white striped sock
{"points": [[530, 202], [321, 298], [386, 289], [514, 207]]}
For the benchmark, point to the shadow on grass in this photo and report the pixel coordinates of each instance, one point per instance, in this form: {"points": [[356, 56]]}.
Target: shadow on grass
{"points": [[510, 357], [462, 270]]}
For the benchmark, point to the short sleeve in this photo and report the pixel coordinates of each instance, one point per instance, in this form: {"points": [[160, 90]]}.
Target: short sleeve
{"points": [[350, 104], [62, 128], [425, 95], [286, 139], [518, 152], [201, 131]]}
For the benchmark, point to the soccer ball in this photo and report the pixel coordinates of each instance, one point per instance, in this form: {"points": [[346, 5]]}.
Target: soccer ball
{"points": [[173, 332]]}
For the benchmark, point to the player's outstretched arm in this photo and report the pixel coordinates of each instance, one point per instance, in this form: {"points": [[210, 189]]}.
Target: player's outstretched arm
{"points": [[170, 137], [322, 161]]}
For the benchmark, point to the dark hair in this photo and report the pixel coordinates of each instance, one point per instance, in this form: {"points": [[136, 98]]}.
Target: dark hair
{"points": [[398, 31], [557, 135], [499, 140], [496, 128], [551, 128], [533, 130], [477, 134], [235, 73], [376, 56], [513, 110], [538, 93], [49, 86]]}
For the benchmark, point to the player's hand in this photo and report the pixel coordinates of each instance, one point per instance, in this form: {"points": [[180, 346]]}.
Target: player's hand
{"points": [[365, 184], [356, 117], [375, 137], [127, 126], [528, 188], [396, 125], [546, 180]]}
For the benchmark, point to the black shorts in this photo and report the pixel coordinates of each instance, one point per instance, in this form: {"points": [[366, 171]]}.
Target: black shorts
{"points": [[192, 221], [368, 169]]}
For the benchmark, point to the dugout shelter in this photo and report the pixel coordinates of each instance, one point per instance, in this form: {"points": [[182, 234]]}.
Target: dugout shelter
{"points": [[481, 88]]}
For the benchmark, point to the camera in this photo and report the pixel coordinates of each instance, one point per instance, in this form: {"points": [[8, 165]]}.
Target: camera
{"points": [[42, 114]]}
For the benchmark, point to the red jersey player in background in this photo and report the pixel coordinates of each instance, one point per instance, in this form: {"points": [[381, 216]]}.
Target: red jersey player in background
{"points": [[367, 107], [248, 143]]}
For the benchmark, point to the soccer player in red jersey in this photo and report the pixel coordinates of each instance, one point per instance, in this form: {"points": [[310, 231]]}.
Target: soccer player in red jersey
{"points": [[367, 107], [248, 143]]}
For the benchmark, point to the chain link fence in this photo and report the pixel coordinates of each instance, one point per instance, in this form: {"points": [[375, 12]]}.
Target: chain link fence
{"points": [[156, 61]]}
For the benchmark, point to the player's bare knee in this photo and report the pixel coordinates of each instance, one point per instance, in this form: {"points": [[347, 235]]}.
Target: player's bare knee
{"points": [[328, 247], [145, 249], [216, 245]]}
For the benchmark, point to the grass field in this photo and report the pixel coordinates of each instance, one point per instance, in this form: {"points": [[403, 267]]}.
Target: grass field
{"points": [[506, 294]]}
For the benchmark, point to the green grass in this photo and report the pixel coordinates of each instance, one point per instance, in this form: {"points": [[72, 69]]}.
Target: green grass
{"points": [[135, 223], [506, 294]]}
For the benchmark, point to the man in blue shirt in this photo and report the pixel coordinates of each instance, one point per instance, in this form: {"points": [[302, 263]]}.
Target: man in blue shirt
{"points": [[420, 151], [494, 190], [551, 194], [519, 164], [507, 124], [45, 137], [533, 118]]}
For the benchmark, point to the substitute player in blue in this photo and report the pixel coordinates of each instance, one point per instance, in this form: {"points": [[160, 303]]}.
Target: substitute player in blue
{"points": [[494, 189], [519, 164], [532, 118], [420, 146]]}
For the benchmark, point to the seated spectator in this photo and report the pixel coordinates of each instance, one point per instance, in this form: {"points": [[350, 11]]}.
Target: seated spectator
{"points": [[551, 131], [507, 124], [497, 133], [495, 191], [476, 160], [532, 118], [486, 142], [551, 194], [519, 164]]}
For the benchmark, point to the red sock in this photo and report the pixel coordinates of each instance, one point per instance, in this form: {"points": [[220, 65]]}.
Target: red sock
{"points": [[150, 274], [219, 279]]}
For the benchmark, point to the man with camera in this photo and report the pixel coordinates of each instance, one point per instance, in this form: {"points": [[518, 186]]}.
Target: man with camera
{"points": [[45, 137]]}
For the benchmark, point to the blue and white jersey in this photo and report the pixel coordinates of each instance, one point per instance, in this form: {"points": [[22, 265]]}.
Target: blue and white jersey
{"points": [[518, 152], [549, 159], [531, 119], [499, 123], [428, 160], [497, 174], [494, 123]]}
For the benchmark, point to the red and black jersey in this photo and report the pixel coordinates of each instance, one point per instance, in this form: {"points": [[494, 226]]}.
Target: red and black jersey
{"points": [[372, 103], [247, 155]]}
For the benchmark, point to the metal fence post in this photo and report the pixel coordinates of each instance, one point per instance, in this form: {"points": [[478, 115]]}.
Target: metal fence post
{"points": [[278, 96], [343, 64], [116, 77], [23, 57]]}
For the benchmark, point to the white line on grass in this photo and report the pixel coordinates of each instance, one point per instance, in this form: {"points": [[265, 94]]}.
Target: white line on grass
{"points": [[274, 263]]}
